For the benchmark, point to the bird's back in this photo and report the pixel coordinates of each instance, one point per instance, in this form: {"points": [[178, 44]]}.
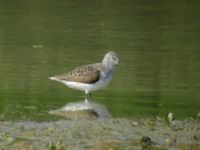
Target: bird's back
{"points": [[84, 74]]}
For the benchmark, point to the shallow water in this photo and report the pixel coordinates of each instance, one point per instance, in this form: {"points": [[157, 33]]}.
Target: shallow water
{"points": [[157, 41]]}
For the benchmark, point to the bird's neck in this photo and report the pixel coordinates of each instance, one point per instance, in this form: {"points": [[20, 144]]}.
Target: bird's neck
{"points": [[108, 69], [107, 65]]}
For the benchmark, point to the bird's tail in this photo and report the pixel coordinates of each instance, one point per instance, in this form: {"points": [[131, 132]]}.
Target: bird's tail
{"points": [[52, 77]]}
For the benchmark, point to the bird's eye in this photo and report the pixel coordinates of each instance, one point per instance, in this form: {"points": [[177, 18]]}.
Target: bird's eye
{"points": [[113, 57]]}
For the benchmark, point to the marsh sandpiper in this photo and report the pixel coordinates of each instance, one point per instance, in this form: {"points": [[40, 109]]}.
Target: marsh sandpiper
{"points": [[90, 77]]}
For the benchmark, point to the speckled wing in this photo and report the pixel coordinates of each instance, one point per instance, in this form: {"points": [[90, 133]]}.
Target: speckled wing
{"points": [[84, 74]]}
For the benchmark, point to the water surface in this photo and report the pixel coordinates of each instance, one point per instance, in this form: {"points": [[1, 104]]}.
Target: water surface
{"points": [[157, 41]]}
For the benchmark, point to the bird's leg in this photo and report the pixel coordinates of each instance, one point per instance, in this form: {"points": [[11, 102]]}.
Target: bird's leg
{"points": [[90, 95], [87, 96]]}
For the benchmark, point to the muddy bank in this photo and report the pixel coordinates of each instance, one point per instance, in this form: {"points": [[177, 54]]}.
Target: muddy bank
{"points": [[100, 134]]}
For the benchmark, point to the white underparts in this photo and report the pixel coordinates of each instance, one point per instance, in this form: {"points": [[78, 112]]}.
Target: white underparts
{"points": [[87, 88]]}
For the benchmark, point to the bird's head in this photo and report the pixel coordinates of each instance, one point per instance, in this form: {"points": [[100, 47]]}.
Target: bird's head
{"points": [[110, 58]]}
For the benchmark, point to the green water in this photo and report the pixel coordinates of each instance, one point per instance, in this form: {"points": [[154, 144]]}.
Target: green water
{"points": [[157, 41]]}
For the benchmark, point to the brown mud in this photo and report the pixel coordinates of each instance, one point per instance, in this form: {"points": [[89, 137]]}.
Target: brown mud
{"points": [[101, 134]]}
